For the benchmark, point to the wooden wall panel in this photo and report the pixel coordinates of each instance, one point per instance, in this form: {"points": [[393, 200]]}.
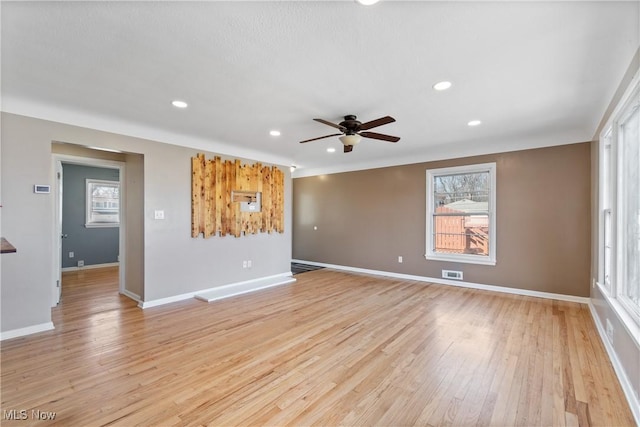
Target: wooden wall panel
{"points": [[219, 204], [209, 198], [213, 210], [266, 199], [197, 186]]}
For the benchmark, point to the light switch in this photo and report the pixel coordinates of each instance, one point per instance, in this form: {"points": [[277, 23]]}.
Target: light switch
{"points": [[159, 215]]}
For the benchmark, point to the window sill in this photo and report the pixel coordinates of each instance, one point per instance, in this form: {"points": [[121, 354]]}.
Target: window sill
{"points": [[469, 259]]}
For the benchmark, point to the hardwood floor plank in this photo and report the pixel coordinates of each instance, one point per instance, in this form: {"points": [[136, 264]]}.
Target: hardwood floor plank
{"points": [[332, 349]]}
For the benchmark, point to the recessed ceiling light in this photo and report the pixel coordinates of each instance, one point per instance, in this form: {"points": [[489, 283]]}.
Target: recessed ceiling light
{"points": [[442, 85], [331, 150], [474, 123], [179, 104], [367, 2], [274, 133]]}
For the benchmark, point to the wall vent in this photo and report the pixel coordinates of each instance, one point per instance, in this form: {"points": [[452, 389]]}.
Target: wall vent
{"points": [[451, 274]]}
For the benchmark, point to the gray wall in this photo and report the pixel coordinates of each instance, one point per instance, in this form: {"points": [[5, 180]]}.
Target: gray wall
{"points": [[80, 239], [169, 260], [368, 218]]}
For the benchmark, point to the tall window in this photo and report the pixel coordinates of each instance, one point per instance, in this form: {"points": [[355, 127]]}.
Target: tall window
{"points": [[607, 202], [620, 205], [103, 203], [461, 214], [629, 140]]}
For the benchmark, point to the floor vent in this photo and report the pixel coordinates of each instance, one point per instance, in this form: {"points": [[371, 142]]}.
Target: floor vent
{"points": [[297, 268], [450, 274]]}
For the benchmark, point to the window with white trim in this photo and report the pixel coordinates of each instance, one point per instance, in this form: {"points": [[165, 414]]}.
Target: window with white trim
{"points": [[619, 226], [461, 214], [102, 203]]}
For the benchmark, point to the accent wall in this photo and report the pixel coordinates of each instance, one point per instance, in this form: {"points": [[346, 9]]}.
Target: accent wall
{"points": [[91, 245], [367, 219]]}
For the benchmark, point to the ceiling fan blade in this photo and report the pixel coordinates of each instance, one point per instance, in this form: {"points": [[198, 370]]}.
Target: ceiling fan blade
{"points": [[380, 136], [333, 125], [348, 148], [378, 122], [320, 137]]}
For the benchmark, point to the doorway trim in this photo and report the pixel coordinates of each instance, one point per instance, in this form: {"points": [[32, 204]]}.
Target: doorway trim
{"points": [[57, 160]]}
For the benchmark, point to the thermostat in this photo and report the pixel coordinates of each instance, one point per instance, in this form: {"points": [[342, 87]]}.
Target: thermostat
{"points": [[42, 188]]}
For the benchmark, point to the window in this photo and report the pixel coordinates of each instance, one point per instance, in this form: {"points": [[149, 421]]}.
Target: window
{"points": [[103, 203], [607, 236], [629, 202], [461, 214], [619, 227]]}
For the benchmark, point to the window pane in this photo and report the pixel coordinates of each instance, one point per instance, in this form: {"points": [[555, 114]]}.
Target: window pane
{"points": [[630, 198], [461, 234], [468, 195], [105, 203], [608, 247], [462, 189]]}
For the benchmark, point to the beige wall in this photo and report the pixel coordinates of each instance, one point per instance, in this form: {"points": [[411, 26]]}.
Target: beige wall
{"points": [[134, 224], [80, 151], [366, 219]]}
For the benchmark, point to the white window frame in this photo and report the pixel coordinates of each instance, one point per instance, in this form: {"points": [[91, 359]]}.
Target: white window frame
{"points": [[88, 203], [431, 254], [607, 217], [610, 203]]}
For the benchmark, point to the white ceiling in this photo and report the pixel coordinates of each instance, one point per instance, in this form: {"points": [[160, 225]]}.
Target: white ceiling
{"points": [[535, 73]]}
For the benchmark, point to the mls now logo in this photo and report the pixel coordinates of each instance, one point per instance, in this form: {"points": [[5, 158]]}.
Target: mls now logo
{"points": [[15, 414]]}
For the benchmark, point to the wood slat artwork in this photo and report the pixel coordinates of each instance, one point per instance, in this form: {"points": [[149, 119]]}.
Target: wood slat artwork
{"points": [[213, 210]]}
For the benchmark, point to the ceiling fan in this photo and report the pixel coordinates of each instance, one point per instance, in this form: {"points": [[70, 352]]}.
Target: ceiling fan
{"points": [[353, 130]]}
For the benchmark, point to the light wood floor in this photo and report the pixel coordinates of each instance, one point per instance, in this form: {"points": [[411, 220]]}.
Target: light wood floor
{"points": [[332, 349]]}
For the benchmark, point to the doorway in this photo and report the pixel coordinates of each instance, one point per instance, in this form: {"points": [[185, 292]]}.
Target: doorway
{"points": [[102, 217]]}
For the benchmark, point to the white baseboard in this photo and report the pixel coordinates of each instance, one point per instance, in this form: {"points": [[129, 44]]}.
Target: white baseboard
{"points": [[460, 283], [89, 267], [625, 383], [15, 333], [225, 290], [131, 295], [243, 287]]}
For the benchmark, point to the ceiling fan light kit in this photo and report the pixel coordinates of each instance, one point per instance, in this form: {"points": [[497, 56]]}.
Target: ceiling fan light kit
{"points": [[350, 139], [353, 131]]}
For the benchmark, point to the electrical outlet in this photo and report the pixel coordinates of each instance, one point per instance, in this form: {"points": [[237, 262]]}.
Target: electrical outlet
{"points": [[81, 263], [400, 259], [158, 214], [244, 264], [71, 254]]}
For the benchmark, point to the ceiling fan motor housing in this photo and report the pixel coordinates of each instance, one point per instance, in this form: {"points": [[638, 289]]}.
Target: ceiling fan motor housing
{"points": [[351, 125]]}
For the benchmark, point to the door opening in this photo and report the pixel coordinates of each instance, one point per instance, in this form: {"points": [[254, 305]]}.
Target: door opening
{"points": [[102, 243]]}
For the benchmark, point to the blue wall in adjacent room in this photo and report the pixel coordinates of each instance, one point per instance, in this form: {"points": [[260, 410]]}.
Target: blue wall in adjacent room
{"points": [[92, 245]]}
